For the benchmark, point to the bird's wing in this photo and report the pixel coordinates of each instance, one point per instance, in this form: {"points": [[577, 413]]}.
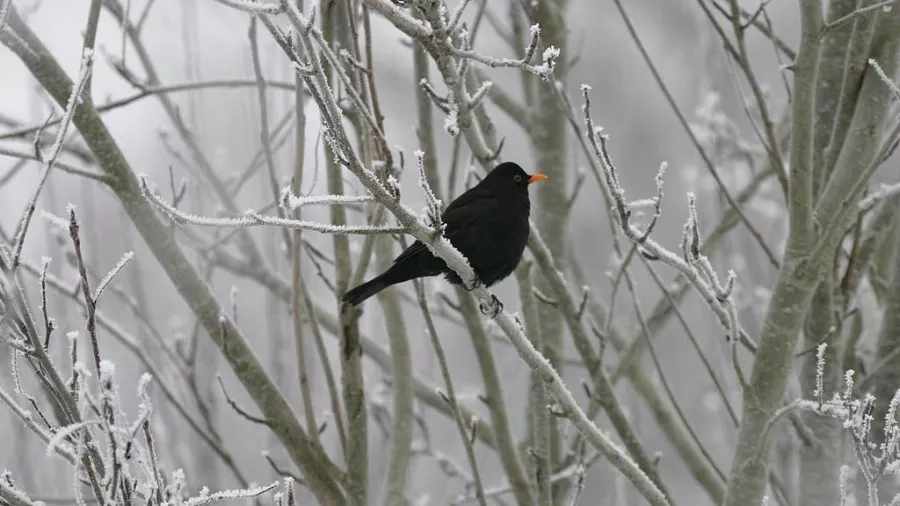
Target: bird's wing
{"points": [[470, 207], [410, 251]]}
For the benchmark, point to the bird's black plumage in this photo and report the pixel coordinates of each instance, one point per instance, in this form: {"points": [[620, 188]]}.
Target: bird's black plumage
{"points": [[488, 224]]}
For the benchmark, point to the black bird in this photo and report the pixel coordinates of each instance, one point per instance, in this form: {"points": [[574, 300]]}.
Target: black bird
{"points": [[488, 224]]}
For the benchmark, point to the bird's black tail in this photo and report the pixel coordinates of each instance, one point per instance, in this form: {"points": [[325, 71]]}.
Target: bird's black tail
{"points": [[362, 292]]}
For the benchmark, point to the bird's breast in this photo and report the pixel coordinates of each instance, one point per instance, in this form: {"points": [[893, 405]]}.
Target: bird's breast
{"points": [[500, 242]]}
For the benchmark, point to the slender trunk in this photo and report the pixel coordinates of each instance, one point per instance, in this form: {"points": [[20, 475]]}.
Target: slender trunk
{"points": [[551, 211]]}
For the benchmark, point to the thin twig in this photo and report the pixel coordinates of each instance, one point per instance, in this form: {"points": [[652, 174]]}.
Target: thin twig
{"points": [[770, 255], [87, 63], [253, 219], [451, 395]]}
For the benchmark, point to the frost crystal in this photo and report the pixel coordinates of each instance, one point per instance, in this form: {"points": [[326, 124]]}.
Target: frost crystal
{"points": [[820, 372], [107, 370], [55, 220], [451, 122]]}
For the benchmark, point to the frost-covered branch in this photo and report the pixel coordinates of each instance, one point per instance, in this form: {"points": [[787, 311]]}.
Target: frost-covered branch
{"points": [[433, 205], [543, 70], [112, 274], [292, 202], [128, 461], [458, 103], [322, 475], [692, 263], [9, 494], [602, 388], [253, 219], [877, 450], [253, 6], [87, 64]]}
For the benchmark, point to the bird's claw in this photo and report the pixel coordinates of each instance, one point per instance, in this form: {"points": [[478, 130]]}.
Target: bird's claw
{"points": [[493, 309]]}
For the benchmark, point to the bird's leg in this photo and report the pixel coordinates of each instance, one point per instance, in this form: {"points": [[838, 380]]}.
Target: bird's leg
{"points": [[475, 284], [493, 309]]}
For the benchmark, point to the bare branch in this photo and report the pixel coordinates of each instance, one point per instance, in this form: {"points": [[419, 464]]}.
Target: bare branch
{"points": [[60, 165]]}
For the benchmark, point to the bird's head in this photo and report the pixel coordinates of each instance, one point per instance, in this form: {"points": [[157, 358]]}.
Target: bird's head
{"points": [[509, 174]]}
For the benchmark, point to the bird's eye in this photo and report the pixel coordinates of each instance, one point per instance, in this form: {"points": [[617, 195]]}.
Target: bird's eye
{"points": [[517, 178]]}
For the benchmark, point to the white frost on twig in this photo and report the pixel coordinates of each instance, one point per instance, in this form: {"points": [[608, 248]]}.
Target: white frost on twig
{"points": [[253, 219], [433, 205], [127, 257], [87, 64], [544, 70], [457, 16], [229, 494], [692, 263], [63, 433], [884, 77], [252, 6], [451, 121], [291, 202]]}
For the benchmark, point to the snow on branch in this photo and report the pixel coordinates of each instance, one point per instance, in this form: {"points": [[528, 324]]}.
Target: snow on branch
{"points": [[253, 219]]}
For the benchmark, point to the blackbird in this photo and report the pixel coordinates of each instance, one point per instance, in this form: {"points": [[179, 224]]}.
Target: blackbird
{"points": [[488, 224]]}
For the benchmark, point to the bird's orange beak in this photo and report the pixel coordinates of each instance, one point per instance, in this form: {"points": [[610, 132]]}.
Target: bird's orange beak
{"points": [[536, 177]]}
